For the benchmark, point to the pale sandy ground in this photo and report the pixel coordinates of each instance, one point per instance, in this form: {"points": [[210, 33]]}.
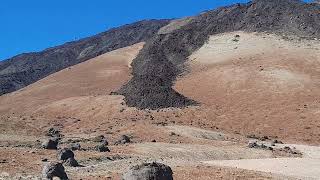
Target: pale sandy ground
{"points": [[306, 167], [258, 84]]}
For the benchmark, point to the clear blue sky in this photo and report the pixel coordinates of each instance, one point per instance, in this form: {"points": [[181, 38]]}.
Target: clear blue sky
{"points": [[33, 25]]}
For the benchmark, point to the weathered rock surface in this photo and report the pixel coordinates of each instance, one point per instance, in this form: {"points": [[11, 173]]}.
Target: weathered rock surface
{"points": [[71, 162], [75, 146], [102, 148], [64, 154], [124, 139], [51, 143], [52, 170], [149, 171]]}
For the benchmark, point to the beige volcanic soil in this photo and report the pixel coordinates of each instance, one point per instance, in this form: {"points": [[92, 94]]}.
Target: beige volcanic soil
{"points": [[258, 84]]}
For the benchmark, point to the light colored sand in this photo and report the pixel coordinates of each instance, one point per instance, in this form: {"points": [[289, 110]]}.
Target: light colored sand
{"points": [[306, 167], [298, 168], [229, 46]]}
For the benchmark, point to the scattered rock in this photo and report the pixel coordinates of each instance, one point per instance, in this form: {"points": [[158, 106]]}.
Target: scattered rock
{"points": [[254, 144], [105, 142], [71, 162], [51, 143], [263, 138], [44, 160], [98, 138], [277, 141], [173, 134], [75, 146], [64, 154], [53, 132], [123, 140], [149, 171], [2, 161], [52, 170], [290, 150], [102, 148]]}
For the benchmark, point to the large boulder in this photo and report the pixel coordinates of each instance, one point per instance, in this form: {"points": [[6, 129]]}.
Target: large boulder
{"points": [[149, 171], [64, 154], [51, 143], [52, 170]]}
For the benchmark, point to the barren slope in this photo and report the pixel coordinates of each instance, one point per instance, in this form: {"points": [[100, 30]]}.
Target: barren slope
{"points": [[96, 78], [257, 83], [25, 69]]}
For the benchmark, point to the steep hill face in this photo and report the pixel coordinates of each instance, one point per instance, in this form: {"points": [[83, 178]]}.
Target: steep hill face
{"points": [[162, 59], [24, 69]]}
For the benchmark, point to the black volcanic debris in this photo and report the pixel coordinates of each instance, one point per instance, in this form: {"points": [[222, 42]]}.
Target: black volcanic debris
{"points": [[162, 59], [24, 69]]}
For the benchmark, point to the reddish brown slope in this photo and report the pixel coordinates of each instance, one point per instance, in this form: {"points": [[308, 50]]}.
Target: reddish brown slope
{"points": [[259, 84]]}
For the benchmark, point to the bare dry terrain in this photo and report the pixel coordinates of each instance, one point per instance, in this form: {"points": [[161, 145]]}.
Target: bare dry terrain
{"points": [[246, 84]]}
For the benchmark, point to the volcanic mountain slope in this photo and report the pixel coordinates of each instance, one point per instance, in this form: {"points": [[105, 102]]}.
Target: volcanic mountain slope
{"points": [[163, 57], [98, 76], [209, 81], [24, 69]]}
